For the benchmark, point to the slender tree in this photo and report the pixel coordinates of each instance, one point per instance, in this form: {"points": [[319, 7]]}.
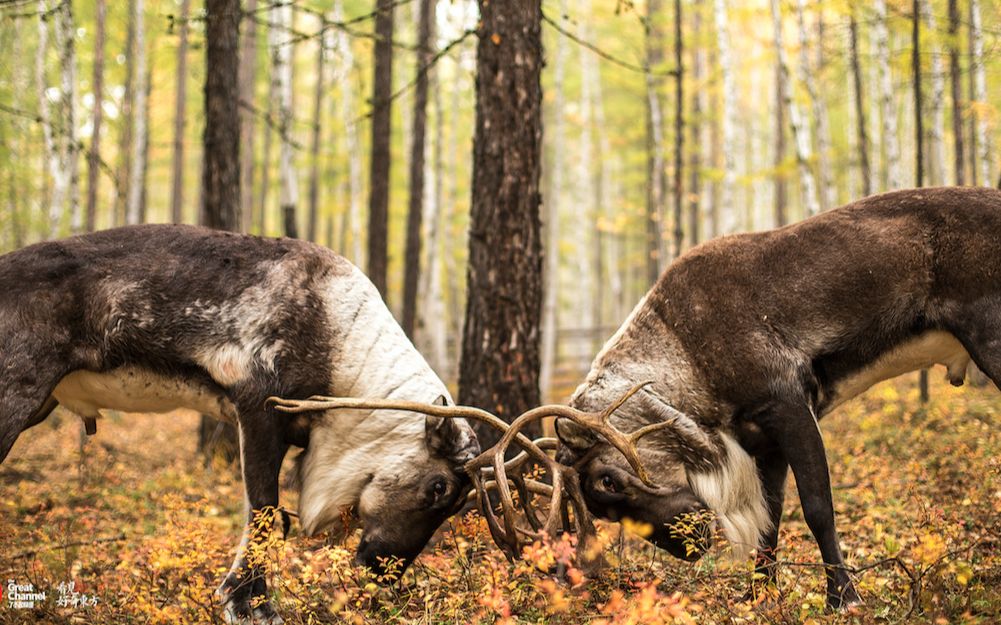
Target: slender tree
{"points": [[865, 170], [807, 76], [800, 133], [936, 131], [379, 164], [248, 79], [180, 109], [69, 145], [499, 368], [728, 122], [957, 101], [887, 108], [281, 51], [352, 217], [980, 163], [679, 131], [415, 212], [696, 127], [656, 178], [137, 162], [919, 134], [221, 164], [314, 150], [781, 196], [57, 193], [97, 117]]}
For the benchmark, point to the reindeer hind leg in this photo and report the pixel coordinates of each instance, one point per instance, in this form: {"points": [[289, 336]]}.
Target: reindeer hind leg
{"points": [[981, 336]]}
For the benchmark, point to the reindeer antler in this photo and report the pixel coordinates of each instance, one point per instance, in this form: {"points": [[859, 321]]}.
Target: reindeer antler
{"points": [[489, 471]]}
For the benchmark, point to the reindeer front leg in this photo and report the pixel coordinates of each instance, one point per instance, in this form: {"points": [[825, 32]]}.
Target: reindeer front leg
{"points": [[794, 428], [244, 591], [772, 470]]}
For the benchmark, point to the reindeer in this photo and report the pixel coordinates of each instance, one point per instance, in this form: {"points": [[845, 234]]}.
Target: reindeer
{"points": [[749, 340], [153, 318]]}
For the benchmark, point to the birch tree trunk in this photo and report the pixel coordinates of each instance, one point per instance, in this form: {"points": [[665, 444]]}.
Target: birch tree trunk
{"points": [[248, 80], [679, 131], [584, 232], [781, 196], [124, 172], [180, 109], [936, 132], [314, 149], [97, 117], [957, 100], [862, 147], [281, 51], [380, 158], [345, 69], [887, 108], [137, 160], [551, 221], [730, 220], [801, 135], [415, 213], [979, 82], [822, 131], [696, 127], [656, 183], [69, 145], [57, 194]]}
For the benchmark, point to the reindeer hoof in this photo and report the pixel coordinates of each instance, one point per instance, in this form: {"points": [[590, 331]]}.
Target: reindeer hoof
{"points": [[239, 607]]}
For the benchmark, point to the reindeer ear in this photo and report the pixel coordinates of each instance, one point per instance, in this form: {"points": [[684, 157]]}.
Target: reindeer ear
{"points": [[574, 437], [451, 439], [686, 439]]}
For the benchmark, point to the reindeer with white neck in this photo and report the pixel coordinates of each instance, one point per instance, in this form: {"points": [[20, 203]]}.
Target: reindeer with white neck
{"points": [[153, 318]]}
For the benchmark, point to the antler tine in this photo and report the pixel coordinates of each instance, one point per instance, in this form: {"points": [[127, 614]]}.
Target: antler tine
{"points": [[606, 414]]}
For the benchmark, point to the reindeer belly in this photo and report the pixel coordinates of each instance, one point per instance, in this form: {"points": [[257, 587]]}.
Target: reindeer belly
{"points": [[935, 347], [134, 389]]}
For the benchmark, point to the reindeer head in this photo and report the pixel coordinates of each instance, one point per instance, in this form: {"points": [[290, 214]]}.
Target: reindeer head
{"points": [[702, 480], [399, 474]]}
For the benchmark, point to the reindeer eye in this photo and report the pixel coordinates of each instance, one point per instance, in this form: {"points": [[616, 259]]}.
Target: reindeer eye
{"points": [[438, 488], [608, 483]]}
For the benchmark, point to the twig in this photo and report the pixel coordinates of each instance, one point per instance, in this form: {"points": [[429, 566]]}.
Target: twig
{"points": [[82, 543]]}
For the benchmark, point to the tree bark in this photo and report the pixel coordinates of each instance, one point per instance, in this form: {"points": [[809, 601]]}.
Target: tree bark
{"points": [[862, 133], [353, 222], [57, 194], [288, 183], [248, 80], [551, 221], [936, 132], [656, 183], [781, 196], [887, 109], [137, 162], [180, 108], [221, 166], [379, 165], [679, 132], [730, 219], [695, 127], [69, 145], [415, 212], [919, 136], [262, 207], [957, 100], [800, 133], [822, 131], [499, 368], [314, 150], [978, 82], [123, 175], [97, 117]]}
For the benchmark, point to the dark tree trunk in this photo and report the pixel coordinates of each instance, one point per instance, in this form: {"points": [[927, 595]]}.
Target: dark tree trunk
{"points": [[695, 128], [379, 171], [94, 155], [780, 148], [123, 176], [656, 182], [248, 78], [314, 167], [863, 134], [919, 134], [679, 131], [221, 166], [412, 262], [499, 368], [957, 100], [180, 108]]}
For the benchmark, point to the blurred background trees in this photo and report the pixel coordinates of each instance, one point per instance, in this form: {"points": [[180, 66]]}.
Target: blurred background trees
{"points": [[665, 123]]}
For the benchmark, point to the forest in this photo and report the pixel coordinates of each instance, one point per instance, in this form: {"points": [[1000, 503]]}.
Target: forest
{"points": [[513, 177]]}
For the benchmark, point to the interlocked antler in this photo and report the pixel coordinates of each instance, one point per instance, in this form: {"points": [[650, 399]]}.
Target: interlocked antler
{"points": [[489, 471]]}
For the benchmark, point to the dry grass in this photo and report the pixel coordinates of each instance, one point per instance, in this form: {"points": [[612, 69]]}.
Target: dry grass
{"points": [[141, 525]]}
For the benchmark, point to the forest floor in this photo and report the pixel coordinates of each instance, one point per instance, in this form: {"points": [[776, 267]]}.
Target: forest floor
{"points": [[139, 524]]}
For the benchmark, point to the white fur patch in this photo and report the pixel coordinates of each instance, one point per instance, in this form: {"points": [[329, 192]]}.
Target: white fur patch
{"points": [[733, 492]]}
